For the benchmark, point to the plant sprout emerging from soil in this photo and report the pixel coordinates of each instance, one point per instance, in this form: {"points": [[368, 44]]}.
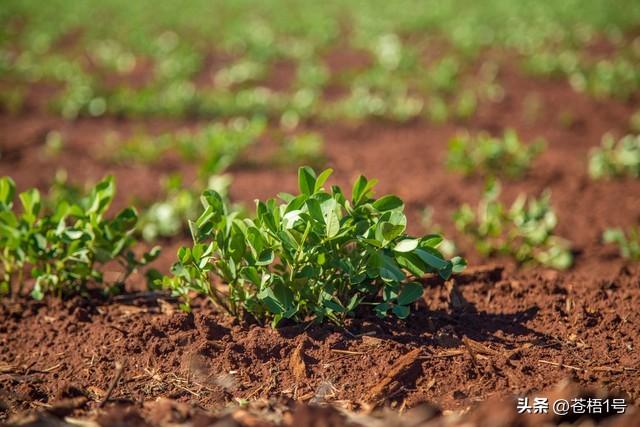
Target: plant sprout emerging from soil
{"points": [[628, 241], [60, 249], [614, 159], [524, 231], [312, 255], [488, 156]]}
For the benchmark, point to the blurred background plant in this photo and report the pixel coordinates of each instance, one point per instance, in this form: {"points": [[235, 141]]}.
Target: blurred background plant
{"points": [[524, 231], [616, 158]]}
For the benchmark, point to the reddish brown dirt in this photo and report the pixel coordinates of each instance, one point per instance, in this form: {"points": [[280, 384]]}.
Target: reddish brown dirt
{"points": [[497, 333]]}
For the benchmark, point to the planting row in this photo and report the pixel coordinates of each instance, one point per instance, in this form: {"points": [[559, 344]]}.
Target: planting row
{"points": [[228, 59], [319, 254]]}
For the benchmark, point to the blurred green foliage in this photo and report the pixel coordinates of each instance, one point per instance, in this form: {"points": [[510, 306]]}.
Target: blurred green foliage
{"points": [[215, 59], [523, 231]]}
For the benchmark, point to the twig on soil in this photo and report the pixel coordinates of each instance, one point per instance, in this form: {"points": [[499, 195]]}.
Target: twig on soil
{"points": [[402, 364], [81, 422], [351, 353], [50, 369], [594, 369], [481, 348], [6, 368], [193, 393], [472, 353], [450, 353], [560, 365], [112, 385]]}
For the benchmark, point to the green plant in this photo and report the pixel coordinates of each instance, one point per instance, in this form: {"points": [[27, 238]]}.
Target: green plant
{"points": [[615, 159], [61, 249], [306, 148], [168, 217], [485, 155], [217, 146], [525, 231], [316, 254], [53, 144], [628, 241], [213, 148]]}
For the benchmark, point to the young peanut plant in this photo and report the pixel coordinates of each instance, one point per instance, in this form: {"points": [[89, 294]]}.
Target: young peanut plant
{"points": [[312, 255], [488, 156], [615, 159], [524, 231], [61, 249], [628, 241]]}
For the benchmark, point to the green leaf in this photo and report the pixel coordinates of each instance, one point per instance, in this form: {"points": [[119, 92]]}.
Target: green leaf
{"points": [[432, 259], [381, 309], [213, 200], [458, 264], [152, 255], [266, 217], [401, 311], [101, 196], [313, 206], [278, 299], [358, 189], [412, 262], [389, 270], [410, 292], [37, 292], [361, 189], [266, 257], [306, 180], [251, 274], [331, 215], [406, 245], [388, 203], [431, 240], [125, 220], [7, 192], [334, 306], [30, 200], [322, 178], [387, 231]]}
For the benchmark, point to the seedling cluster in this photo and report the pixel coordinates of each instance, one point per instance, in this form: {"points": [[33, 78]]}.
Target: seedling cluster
{"points": [[485, 155], [101, 75], [524, 231], [62, 250], [316, 254], [213, 148]]}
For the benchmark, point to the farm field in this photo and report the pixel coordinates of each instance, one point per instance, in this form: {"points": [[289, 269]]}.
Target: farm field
{"points": [[497, 257]]}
